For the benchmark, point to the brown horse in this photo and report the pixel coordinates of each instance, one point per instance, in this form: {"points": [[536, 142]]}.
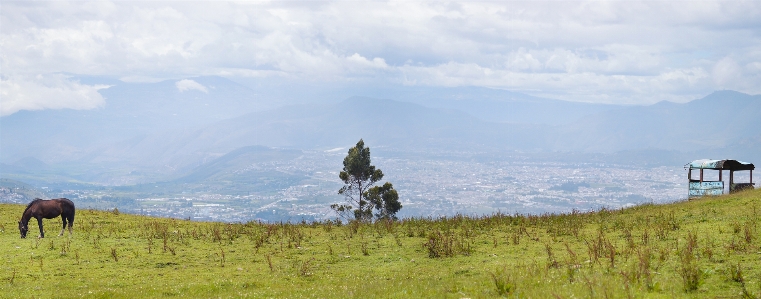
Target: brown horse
{"points": [[47, 209]]}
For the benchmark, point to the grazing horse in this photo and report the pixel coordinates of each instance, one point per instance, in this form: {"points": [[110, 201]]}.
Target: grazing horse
{"points": [[47, 209]]}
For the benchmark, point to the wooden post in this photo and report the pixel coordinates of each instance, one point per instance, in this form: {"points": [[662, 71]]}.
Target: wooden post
{"points": [[731, 179], [719, 174], [701, 175], [689, 175]]}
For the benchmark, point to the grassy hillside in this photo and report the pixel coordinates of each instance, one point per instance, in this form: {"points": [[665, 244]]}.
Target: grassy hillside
{"points": [[703, 248]]}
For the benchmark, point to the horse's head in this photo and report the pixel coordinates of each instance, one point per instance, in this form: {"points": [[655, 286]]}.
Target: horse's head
{"points": [[23, 229]]}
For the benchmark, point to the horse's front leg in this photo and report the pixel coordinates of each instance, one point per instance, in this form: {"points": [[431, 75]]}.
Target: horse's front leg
{"points": [[39, 223]]}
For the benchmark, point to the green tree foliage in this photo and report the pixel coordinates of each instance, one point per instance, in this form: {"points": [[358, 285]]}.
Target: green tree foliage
{"points": [[362, 197], [385, 200]]}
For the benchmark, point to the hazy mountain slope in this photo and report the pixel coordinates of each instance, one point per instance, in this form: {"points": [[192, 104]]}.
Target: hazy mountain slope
{"points": [[135, 111], [239, 172], [18, 192], [723, 119], [131, 109], [383, 123], [497, 105], [245, 159]]}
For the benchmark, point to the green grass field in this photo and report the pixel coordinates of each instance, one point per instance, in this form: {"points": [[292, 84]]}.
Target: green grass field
{"points": [[702, 248]]}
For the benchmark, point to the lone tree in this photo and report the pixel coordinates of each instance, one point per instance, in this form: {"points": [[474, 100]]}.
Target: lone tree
{"points": [[362, 197]]}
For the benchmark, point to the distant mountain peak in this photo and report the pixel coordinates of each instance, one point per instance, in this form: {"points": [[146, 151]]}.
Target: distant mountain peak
{"points": [[723, 95], [30, 163], [727, 92]]}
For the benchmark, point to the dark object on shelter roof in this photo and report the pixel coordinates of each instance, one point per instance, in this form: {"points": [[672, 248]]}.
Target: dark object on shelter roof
{"points": [[701, 187]]}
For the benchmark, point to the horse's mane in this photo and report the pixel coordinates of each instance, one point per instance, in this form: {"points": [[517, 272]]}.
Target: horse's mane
{"points": [[31, 203]]}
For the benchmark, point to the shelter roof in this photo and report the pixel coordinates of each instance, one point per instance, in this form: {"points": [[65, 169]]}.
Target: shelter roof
{"points": [[720, 164]]}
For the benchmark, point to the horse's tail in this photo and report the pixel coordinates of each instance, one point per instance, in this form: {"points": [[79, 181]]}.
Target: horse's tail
{"points": [[71, 219]]}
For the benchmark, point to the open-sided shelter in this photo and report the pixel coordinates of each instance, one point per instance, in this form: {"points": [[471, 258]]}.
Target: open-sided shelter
{"points": [[700, 187]]}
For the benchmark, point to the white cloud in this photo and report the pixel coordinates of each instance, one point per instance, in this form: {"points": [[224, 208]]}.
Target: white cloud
{"points": [[375, 63], [187, 84], [726, 72], [575, 50], [578, 86], [47, 92]]}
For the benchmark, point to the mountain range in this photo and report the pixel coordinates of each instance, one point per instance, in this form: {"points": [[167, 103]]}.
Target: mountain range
{"points": [[166, 131]]}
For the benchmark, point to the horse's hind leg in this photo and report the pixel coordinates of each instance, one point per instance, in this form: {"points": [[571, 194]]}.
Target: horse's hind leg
{"points": [[71, 223]]}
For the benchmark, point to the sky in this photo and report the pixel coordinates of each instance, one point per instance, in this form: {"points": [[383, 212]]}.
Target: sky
{"points": [[620, 52]]}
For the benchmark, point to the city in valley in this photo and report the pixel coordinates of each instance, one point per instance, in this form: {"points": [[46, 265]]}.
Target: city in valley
{"points": [[303, 188]]}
